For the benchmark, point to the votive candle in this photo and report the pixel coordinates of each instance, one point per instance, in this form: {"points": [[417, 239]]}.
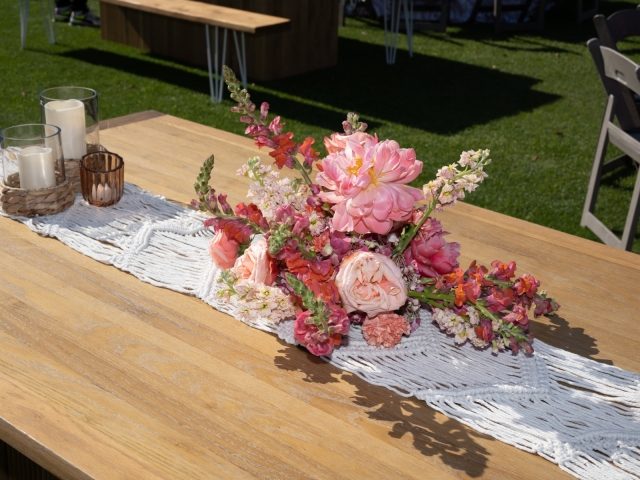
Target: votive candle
{"points": [[36, 168], [68, 115]]}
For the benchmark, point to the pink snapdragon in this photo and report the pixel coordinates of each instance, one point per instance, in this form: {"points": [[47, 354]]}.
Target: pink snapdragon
{"points": [[366, 184], [429, 252]]}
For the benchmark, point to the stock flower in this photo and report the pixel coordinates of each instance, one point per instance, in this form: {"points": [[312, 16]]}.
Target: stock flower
{"points": [[385, 329], [256, 265], [223, 250], [366, 184], [261, 302], [370, 282]]}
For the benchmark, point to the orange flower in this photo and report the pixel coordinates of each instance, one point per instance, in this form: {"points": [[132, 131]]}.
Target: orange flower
{"points": [[284, 149]]}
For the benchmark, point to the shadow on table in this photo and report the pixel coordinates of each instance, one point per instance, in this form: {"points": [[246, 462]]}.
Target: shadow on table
{"points": [[558, 333], [433, 434]]}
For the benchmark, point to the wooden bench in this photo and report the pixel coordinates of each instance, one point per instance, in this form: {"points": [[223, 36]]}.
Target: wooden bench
{"points": [[238, 21]]}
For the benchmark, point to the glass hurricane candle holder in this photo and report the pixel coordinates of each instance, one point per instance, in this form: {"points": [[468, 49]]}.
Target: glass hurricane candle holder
{"points": [[75, 111], [32, 156], [33, 178], [102, 178]]}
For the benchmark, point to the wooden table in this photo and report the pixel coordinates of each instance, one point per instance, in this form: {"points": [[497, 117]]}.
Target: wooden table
{"points": [[104, 376]]}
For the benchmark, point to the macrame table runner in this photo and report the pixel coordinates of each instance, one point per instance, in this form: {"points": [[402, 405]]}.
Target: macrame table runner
{"points": [[575, 412]]}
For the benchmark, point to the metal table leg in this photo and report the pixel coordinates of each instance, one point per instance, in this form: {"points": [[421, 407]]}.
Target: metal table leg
{"points": [[391, 37], [242, 57], [215, 85], [49, 21]]}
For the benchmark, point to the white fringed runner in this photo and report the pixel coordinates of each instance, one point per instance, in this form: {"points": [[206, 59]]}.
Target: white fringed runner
{"points": [[575, 412]]}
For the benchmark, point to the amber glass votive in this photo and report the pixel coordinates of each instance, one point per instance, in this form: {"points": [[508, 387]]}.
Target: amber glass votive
{"points": [[102, 178]]}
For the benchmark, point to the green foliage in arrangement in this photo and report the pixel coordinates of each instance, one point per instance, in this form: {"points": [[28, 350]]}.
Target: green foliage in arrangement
{"points": [[534, 99]]}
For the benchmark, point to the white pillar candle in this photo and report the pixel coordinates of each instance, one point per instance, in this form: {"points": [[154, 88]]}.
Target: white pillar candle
{"points": [[36, 167], [68, 115]]}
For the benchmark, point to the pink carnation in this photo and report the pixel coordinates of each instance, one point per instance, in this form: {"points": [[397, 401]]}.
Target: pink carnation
{"points": [[385, 329], [366, 184]]}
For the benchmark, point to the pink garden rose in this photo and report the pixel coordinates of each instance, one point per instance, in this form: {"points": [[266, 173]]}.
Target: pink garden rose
{"points": [[431, 254], [385, 329], [366, 184], [338, 141], [223, 250], [371, 283], [256, 265]]}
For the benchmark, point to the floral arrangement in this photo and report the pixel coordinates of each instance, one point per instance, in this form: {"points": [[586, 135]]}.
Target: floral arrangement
{"points": [[358, 245]]}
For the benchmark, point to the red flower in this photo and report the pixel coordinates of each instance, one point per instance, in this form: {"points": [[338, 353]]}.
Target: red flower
{"points": [[518, 316], [284, 150]]}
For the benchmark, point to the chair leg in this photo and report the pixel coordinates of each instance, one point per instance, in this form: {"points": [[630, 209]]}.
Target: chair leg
{"points": [[48, 21], [24, 18], [408, 23], [598, 160], [631, 224], [497, 16], [391, 37]]}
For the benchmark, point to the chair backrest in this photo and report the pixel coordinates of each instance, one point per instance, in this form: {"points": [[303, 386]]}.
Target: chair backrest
{"points": [[625, 108], [620, 68], [622, 24]]}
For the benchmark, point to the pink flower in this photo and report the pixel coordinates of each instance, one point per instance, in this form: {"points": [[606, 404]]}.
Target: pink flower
{"points": [[385, 329], [338, 141], [366, 184], [256, 265], [431, 254], [370, 282], [502, 271], [223, 250], [518, 317], [317, 342]]}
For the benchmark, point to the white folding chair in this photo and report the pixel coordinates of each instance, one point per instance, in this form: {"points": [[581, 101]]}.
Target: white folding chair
{"points": [[626, 73]]}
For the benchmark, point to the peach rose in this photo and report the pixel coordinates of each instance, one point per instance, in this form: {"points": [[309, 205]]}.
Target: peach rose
{"points": [[385, 329], [223, 250], [370, 282], [256, 265]]}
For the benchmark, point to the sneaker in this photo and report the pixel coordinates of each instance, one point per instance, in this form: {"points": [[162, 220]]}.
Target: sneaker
{"points": [[62, 14], [84, 19]]}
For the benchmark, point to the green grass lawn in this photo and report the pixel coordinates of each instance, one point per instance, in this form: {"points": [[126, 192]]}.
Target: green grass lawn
{"points": [[534, 99]]}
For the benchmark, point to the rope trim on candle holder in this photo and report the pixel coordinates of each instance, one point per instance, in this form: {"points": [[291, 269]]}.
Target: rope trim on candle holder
{"points": [[72, 171], [34, 203]]}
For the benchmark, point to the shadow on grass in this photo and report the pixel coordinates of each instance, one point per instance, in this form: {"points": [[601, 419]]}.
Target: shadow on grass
{"points": [[432, 434], [429, 93]]}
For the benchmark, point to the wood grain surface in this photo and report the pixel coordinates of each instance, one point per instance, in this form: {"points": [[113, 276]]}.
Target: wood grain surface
{"points": [[207, 14], [103, 376]]}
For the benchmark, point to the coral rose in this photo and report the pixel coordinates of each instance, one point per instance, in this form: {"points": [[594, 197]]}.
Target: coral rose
{"points": [[223, 250], [371, 283], [385, 329], [256, 265]]}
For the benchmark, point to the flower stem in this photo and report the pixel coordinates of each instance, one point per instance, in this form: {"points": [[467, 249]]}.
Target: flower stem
{"points": [[407, 237]]}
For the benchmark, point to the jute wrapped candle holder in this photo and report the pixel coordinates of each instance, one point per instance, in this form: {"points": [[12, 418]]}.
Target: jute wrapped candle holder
{"points": [[33, 203]]}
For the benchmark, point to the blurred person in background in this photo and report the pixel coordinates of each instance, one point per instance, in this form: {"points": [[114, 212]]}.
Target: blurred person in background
{"points": [[76, 12]]}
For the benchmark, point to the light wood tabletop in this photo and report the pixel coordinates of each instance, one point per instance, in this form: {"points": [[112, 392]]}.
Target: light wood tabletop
{"points": [[208, 14], [104, 376]]}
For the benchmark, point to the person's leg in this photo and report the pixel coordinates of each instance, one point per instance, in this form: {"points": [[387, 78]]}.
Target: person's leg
{"points": [[82, 16], [63, 10]]}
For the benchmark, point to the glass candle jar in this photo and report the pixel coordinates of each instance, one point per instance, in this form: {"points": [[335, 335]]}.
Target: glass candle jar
{"points": [[102, 178], [75, 111], [32, 156]]}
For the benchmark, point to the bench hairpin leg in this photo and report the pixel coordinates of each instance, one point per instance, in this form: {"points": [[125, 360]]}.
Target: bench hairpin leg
{"points": [[242, 57], [24, 17]]}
